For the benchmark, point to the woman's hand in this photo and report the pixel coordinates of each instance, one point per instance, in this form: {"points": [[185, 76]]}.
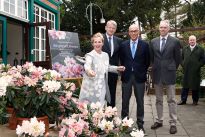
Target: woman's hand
{"points": [[121, 68], [91, 73]]}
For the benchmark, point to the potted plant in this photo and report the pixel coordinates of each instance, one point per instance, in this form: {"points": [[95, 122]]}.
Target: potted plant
{"points": [[34, 91]]}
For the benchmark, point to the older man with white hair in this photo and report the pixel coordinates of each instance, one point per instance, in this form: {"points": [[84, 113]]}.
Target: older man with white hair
{"points": [[192, 61], [111, 47]]}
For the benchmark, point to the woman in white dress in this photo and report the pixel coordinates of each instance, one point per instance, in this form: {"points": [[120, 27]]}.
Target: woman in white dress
{"points": [[94, 87]]}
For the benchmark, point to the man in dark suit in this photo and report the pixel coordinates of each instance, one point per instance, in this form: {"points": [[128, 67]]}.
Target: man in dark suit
{"points": [[192, 61], [165, 59], [134, 55], [111, 46]]}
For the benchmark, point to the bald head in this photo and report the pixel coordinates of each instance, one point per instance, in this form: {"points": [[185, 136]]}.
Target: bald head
{"points": [[164, 27], [133, 32], [192, 40]]}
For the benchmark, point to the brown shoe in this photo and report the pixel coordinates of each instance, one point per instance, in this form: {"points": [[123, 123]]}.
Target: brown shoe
{"points": [[156, 125], [173, 130]]}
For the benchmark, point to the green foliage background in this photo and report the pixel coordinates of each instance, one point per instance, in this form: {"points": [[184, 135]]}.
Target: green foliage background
{"points": [[125, 12]]}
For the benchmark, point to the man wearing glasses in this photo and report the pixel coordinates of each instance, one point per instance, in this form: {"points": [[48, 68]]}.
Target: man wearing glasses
{"points": [[134, 55]]}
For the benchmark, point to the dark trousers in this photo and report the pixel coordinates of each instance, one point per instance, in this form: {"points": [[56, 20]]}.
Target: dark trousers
{"points": [[184, 95], [139, 90], [112, 83]]}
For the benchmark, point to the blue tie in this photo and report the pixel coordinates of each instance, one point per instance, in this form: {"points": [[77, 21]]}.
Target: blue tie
{"points": [[133, 49]]}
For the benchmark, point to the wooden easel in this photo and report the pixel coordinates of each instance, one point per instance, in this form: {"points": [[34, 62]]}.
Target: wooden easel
{"points": [[77, 81]]}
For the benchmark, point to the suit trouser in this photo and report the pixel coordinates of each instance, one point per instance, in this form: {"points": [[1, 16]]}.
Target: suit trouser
{"points": [[159, 92], [184, 95], [139, 90], [112, 83]]}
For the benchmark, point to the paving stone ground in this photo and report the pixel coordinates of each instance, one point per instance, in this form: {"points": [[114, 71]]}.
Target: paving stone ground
{"points": [[191, 119]]}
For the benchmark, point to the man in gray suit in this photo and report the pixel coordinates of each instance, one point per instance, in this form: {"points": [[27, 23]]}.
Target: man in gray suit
{"points": [[165, 59]]}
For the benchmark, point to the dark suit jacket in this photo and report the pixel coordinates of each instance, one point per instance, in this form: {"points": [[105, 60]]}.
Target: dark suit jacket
{"points": [[140, 63], [114, 60], [165, 64]]}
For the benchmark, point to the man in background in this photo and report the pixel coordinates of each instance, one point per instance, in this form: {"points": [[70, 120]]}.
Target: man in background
{"points": [[192, 61], [111, 46]]}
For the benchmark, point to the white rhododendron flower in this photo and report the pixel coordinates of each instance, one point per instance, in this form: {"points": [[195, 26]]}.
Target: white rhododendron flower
{"points": [[127, 122], [137, 133], [33, 128], [51, 86], [106, 125], [36, 128], [4, 82], [54, 74], [96, 105]]}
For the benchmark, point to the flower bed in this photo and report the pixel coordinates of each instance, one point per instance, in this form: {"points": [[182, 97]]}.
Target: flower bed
{"points": [[34, 92]]}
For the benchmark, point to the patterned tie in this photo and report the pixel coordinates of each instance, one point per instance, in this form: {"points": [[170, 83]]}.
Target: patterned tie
{"points": [[133, 49], [163, 44]]}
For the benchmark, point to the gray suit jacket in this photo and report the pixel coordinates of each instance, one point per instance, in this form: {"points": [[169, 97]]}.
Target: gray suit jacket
{"points": [[165, 64]]}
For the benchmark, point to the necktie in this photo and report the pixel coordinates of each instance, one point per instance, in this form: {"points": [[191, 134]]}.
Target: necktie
{"points": [[110, 45], [133, 49], [163, 44]]}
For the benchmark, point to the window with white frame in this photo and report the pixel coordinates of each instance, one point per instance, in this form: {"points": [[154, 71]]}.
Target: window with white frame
{"points": [[17, 8], [22, 9], [41, 15]]}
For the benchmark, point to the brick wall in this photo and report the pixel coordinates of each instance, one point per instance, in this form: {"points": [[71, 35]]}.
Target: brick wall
{"points": [[50, 4]]}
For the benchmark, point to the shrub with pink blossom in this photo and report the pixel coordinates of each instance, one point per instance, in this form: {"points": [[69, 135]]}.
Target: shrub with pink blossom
{"points": [[34, 91], [93, 120], [70, 69]]}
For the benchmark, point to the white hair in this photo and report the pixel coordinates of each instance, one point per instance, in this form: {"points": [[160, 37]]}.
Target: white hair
{"points": [[111, 22]]}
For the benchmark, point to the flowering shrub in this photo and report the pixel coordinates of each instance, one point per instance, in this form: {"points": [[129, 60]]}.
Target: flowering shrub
{"points": [[93, 120], [32, 128], [71, 69], [34, 91]]}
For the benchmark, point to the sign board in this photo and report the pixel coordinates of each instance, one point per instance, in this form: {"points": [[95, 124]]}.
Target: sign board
{"points": [[64, 46]]}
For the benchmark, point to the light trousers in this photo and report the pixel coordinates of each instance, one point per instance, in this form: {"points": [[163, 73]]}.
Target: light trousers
{"points": [[170, 91]]}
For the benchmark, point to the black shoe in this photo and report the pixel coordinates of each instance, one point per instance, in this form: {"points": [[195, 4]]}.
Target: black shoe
{"points": [[181, 103], [173, 130], [156, 125], [195, 103]]}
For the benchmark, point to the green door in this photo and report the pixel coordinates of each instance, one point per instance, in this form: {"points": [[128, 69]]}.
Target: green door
{"points": [[3, 40]]}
